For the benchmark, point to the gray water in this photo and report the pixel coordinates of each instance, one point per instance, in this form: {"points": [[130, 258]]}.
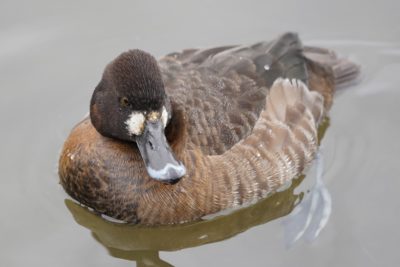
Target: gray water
{"points": [[51, 57]]}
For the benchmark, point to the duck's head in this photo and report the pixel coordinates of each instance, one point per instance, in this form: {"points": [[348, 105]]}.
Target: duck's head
{"points": [[130, 104]]}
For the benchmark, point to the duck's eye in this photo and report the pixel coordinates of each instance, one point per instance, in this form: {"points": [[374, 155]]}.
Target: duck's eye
{"points": [[124, 102]]}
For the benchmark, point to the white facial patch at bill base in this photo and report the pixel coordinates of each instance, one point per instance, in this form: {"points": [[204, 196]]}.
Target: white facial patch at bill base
{"points": [[164, 116], [135, 123]]}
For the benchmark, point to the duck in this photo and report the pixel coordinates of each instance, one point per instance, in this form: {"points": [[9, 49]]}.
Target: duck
{"points": [[201, 131]]}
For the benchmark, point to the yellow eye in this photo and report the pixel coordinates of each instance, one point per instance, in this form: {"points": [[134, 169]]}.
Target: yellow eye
{"points": [[124, 102]]}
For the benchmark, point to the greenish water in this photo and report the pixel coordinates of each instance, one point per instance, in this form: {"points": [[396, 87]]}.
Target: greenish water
{"points": [[51, 57]]}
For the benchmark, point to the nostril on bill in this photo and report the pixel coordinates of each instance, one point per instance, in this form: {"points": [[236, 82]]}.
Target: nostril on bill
{"points": [[152, 147]]}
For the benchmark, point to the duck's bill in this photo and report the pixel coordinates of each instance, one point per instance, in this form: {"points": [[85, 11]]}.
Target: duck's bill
{"points": [[160, 161]]}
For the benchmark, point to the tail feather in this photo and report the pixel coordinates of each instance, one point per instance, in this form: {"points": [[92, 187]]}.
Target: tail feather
{"points": [[345, 72]]}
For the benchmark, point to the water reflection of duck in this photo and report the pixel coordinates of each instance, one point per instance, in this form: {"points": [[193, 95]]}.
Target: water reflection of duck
{"points": [[240, 122], [137, 242]]}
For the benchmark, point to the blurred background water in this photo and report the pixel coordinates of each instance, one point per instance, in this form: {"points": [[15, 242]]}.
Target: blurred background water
{"points": [[52, 55]]}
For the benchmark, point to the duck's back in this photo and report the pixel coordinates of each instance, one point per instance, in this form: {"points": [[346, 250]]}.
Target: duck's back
{"points": [[222, 90]]}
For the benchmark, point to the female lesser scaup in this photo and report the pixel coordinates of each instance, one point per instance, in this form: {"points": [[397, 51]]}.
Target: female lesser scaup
{"points": [[200, 131]]}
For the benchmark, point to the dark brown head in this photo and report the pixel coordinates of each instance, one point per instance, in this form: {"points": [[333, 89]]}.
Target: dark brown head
{"points": [[130, 104]]}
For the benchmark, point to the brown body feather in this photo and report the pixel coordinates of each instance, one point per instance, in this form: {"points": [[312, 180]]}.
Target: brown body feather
{"points": [[241, 133]]}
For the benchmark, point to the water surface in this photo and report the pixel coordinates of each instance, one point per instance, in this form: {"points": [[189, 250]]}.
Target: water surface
{"points": [[51, 57]]}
